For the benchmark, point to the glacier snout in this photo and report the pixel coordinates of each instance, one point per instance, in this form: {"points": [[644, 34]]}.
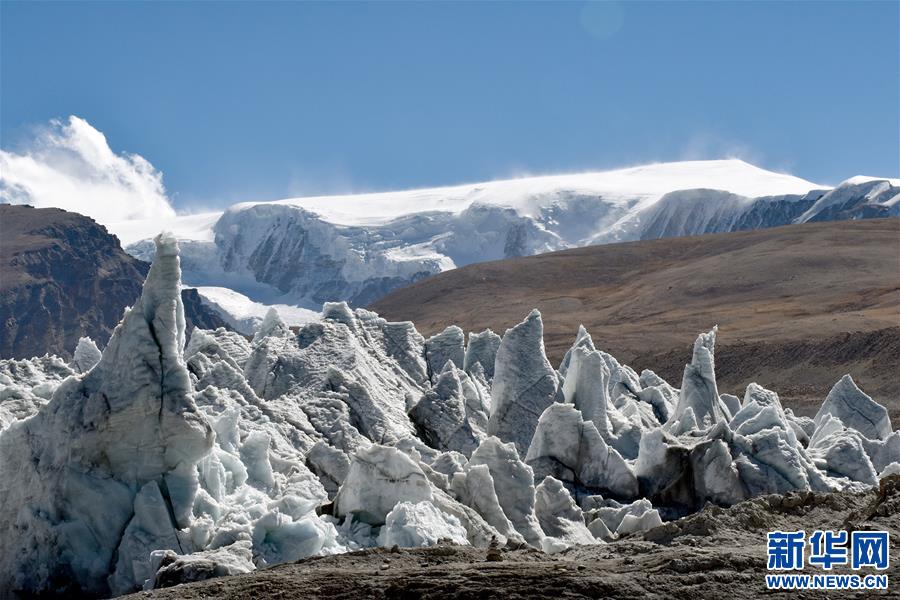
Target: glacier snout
{"points": [[161, 462]]}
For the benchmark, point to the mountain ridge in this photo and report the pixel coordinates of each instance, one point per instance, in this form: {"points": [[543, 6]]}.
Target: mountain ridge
{"points": [[62, 277], [307, 251], [298, 253]]}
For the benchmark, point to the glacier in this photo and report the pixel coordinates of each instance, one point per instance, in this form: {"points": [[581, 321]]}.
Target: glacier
{"points": [[301, 252], [162, 460]]}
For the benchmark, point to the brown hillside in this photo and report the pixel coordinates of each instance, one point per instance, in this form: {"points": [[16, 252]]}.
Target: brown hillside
{"points": [[63, 276], [797, 306]]}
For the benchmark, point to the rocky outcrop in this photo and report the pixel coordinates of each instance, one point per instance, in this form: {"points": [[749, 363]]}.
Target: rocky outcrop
{"points": [[64, 277]]}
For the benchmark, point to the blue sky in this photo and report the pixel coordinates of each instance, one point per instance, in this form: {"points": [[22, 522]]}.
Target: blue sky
{"points": [[238, 101]]}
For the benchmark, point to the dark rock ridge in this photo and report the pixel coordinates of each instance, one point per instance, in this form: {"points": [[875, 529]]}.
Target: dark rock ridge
{"points": [[63, 276]]}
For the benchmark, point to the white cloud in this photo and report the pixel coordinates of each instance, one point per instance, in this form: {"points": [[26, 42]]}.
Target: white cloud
{"points": [[70, 165]]}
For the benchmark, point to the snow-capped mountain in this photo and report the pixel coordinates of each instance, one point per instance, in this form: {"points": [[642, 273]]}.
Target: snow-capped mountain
{"points": [[306, 251]]}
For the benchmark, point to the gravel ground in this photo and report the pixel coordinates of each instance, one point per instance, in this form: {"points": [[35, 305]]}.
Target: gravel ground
{"points": [[716, 553]]}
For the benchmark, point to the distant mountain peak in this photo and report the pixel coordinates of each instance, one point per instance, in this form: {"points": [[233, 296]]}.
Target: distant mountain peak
{"points": [[301, 252]]}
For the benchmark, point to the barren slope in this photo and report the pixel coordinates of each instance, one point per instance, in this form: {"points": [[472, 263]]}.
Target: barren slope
{"points": [[797, 306]]}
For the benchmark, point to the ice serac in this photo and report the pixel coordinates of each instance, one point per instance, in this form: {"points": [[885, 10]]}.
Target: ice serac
{"points": [[513, 485], [441, 416], [767, 454], [571, 450], [856, 410], [659, 394], [86, 355], [272, 326], [150, 529], [338, 372], [414, 525], [446, 345], [524, 383], [559, 516], [379, 478], [482, 349], [586, 385], [219, 344], [698, 387], [609, 520], [475, 487], [582, 340], [591, 380], [762, 449], [732, 403], [70, 476], [170, 568], [840, 452], [27, 384], [153, 469], [716, 476], [407, 346]]}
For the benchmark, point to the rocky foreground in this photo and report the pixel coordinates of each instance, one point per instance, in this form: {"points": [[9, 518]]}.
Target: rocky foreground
{"points": [[716, 553]]}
